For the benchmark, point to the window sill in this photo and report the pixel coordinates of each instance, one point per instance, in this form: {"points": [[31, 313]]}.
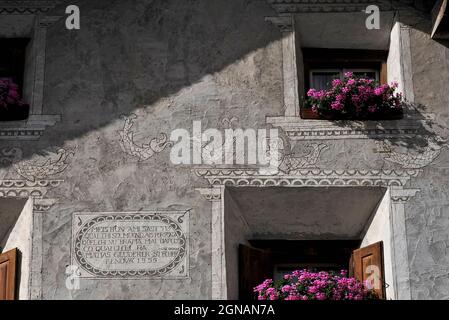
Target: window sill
{"points": [[298, 128], [309, 115], [29, 129]]}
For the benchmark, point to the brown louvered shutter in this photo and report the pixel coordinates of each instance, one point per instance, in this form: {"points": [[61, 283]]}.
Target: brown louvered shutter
{"points": [[8, 267], [367, 265], [255, 266]]}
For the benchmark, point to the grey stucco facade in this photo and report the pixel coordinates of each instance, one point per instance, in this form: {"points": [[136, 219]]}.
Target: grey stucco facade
{"points": [[137, 69]]}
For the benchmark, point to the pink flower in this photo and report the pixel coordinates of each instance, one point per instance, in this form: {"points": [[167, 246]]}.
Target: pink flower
{"points": [[274, 296], [351, 82], [311, 93], [336, 82], [349, 74], [320, 296], [313, 289], [9, 93], [306, 285], [286, 288], [379, 91], [340, 97], [336, 105], [320, 94], [270, 291]]}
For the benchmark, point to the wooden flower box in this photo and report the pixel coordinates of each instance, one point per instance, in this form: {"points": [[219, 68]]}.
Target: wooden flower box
{"points": [[307, 113]]}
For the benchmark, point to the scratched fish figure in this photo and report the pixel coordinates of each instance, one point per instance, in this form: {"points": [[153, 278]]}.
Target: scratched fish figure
{"points": [[292, 164], [33, 171], [141, 152], [413, 161]]}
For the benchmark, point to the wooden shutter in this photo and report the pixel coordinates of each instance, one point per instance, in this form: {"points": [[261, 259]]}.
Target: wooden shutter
{"points": [[255, 265], [8, 267], [366, 264]]}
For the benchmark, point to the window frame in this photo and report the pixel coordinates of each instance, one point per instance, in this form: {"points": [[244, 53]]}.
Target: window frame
{"points": [[36, 29]]}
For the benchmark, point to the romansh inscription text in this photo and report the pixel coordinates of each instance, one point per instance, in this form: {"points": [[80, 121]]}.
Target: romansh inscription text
{"points": [[131, 245]]}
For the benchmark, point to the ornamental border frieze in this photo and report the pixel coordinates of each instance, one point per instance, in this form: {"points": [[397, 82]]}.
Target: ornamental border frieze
{"points": [[312, 6], [307, 177], [342, 133], [300, 129], [26, 6], [28, 134], [35, 189]]}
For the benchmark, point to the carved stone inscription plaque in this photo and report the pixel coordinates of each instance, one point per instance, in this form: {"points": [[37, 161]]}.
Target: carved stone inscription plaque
{"points": [[131, 245]]}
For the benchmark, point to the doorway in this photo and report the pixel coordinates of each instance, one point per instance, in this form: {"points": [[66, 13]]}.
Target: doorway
{"points": [[276, 230], [274, 258]]}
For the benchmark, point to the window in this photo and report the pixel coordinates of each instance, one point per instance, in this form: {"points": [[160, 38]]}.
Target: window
{"points": [[321, 79], [321, 66], [12, 67], [12, 60]]}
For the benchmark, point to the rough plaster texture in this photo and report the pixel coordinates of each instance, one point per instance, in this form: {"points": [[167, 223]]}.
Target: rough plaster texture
{"points": [[172, 62], [428, 215], [336, 30], [159, 61]]}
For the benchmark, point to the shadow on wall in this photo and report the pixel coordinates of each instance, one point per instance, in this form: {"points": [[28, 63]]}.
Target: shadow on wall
{"points": [[126, 56], [10, 209]]}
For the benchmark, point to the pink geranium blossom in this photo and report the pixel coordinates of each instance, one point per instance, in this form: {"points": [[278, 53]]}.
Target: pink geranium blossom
{"points": [[355, 97], [9, 93], [308, 285]]}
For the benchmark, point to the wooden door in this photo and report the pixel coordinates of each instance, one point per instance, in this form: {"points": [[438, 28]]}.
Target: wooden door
{"points": [[255, 266], [8, 272], [367, 265]]}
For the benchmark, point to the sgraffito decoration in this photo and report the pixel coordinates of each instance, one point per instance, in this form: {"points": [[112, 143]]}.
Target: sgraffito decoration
{"points": [[291, 164], [36, 176], [53, 165], [416, 160], [9, 156], [131, 245], [144, 151]]}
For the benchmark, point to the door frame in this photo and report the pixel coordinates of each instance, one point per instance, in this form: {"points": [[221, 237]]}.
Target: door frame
{"points": [[395, 183]]}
